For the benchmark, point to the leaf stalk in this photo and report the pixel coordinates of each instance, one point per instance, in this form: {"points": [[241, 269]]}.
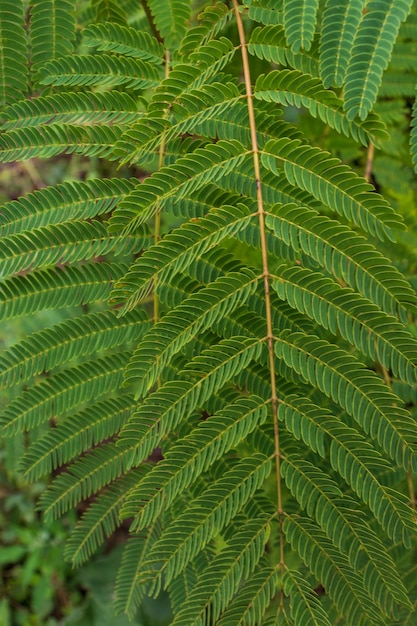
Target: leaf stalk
{"points": [[265, 268]]}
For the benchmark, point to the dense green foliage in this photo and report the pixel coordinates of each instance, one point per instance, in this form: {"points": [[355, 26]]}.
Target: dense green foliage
{"points": [[239, 379]]}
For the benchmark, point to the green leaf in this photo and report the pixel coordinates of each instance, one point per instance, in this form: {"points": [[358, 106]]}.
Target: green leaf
{"points": [[73, 200], [306, 609], [180, 325], [103, 69], [175, 401], [14, 50], [52, 30], [341, 20], [359, 391], [57, 288], [177, 251], [187, 175], [341, 582], [207, 515], [270, 43], [341, 310], [334, 184], [126, 40], [346, 255], [100, 520], [67, 243], [73, 108], [193, 455], [63, 392], [291, 87], [221, 580], [171, 18], [413, 136], [299, 19], [76, 435], [64, 342], [371, 53]]}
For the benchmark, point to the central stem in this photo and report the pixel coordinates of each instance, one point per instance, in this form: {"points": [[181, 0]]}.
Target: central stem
{"points": [[157, 224], [265, 268]]}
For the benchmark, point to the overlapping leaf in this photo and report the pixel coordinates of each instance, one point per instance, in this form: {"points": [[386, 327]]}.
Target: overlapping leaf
{"points": [[340, 24], [334, 184], [371, 53], [14, 51]]}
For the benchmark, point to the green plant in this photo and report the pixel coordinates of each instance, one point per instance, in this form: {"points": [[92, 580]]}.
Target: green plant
{"points": [[244, 307]]}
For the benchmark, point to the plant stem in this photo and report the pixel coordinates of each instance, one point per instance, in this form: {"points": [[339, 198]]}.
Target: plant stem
{"points": [[265, 268], [369, 162], [151, 21], [157, 224]]}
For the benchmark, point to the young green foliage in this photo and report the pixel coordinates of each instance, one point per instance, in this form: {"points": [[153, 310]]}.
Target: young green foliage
{"points": [[234, 370]]}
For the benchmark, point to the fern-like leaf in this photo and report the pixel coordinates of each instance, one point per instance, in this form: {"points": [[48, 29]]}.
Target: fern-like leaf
{"points": [[413, 136], [351, 455], [292, 87], [175, 401], [63, 392], [52, 30], [75, 200], [171, 19], [333, 184], [194, 455], [57, 288], [125, 40], [177, 251], [299, 20], [104, 69], [220, 581], [203, 65], [210, 512], [349, 532], [188, 174], [49, 140], [306, 608], [13, 44], [67, 243], [179, 326], [333, 569], [211, 21], [336, 374], [100, 520], [109, 11], [129, 593], [265, 11], [250, 604], [333, 246], [76, 435], [73, 108], [340, 24], [270, 43], [67, 341], [87, 476], [190, 112], [371, 53], [341, 310]]}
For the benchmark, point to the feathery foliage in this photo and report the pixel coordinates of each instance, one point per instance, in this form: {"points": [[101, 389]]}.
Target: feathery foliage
{"points": [[234, 371], [14, 51]]}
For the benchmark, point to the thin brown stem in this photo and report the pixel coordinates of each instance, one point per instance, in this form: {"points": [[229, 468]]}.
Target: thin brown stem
{"points": [[369, 162], [33, 173], [151, 21], [411, 491], [157, 224], [265, 268]]}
